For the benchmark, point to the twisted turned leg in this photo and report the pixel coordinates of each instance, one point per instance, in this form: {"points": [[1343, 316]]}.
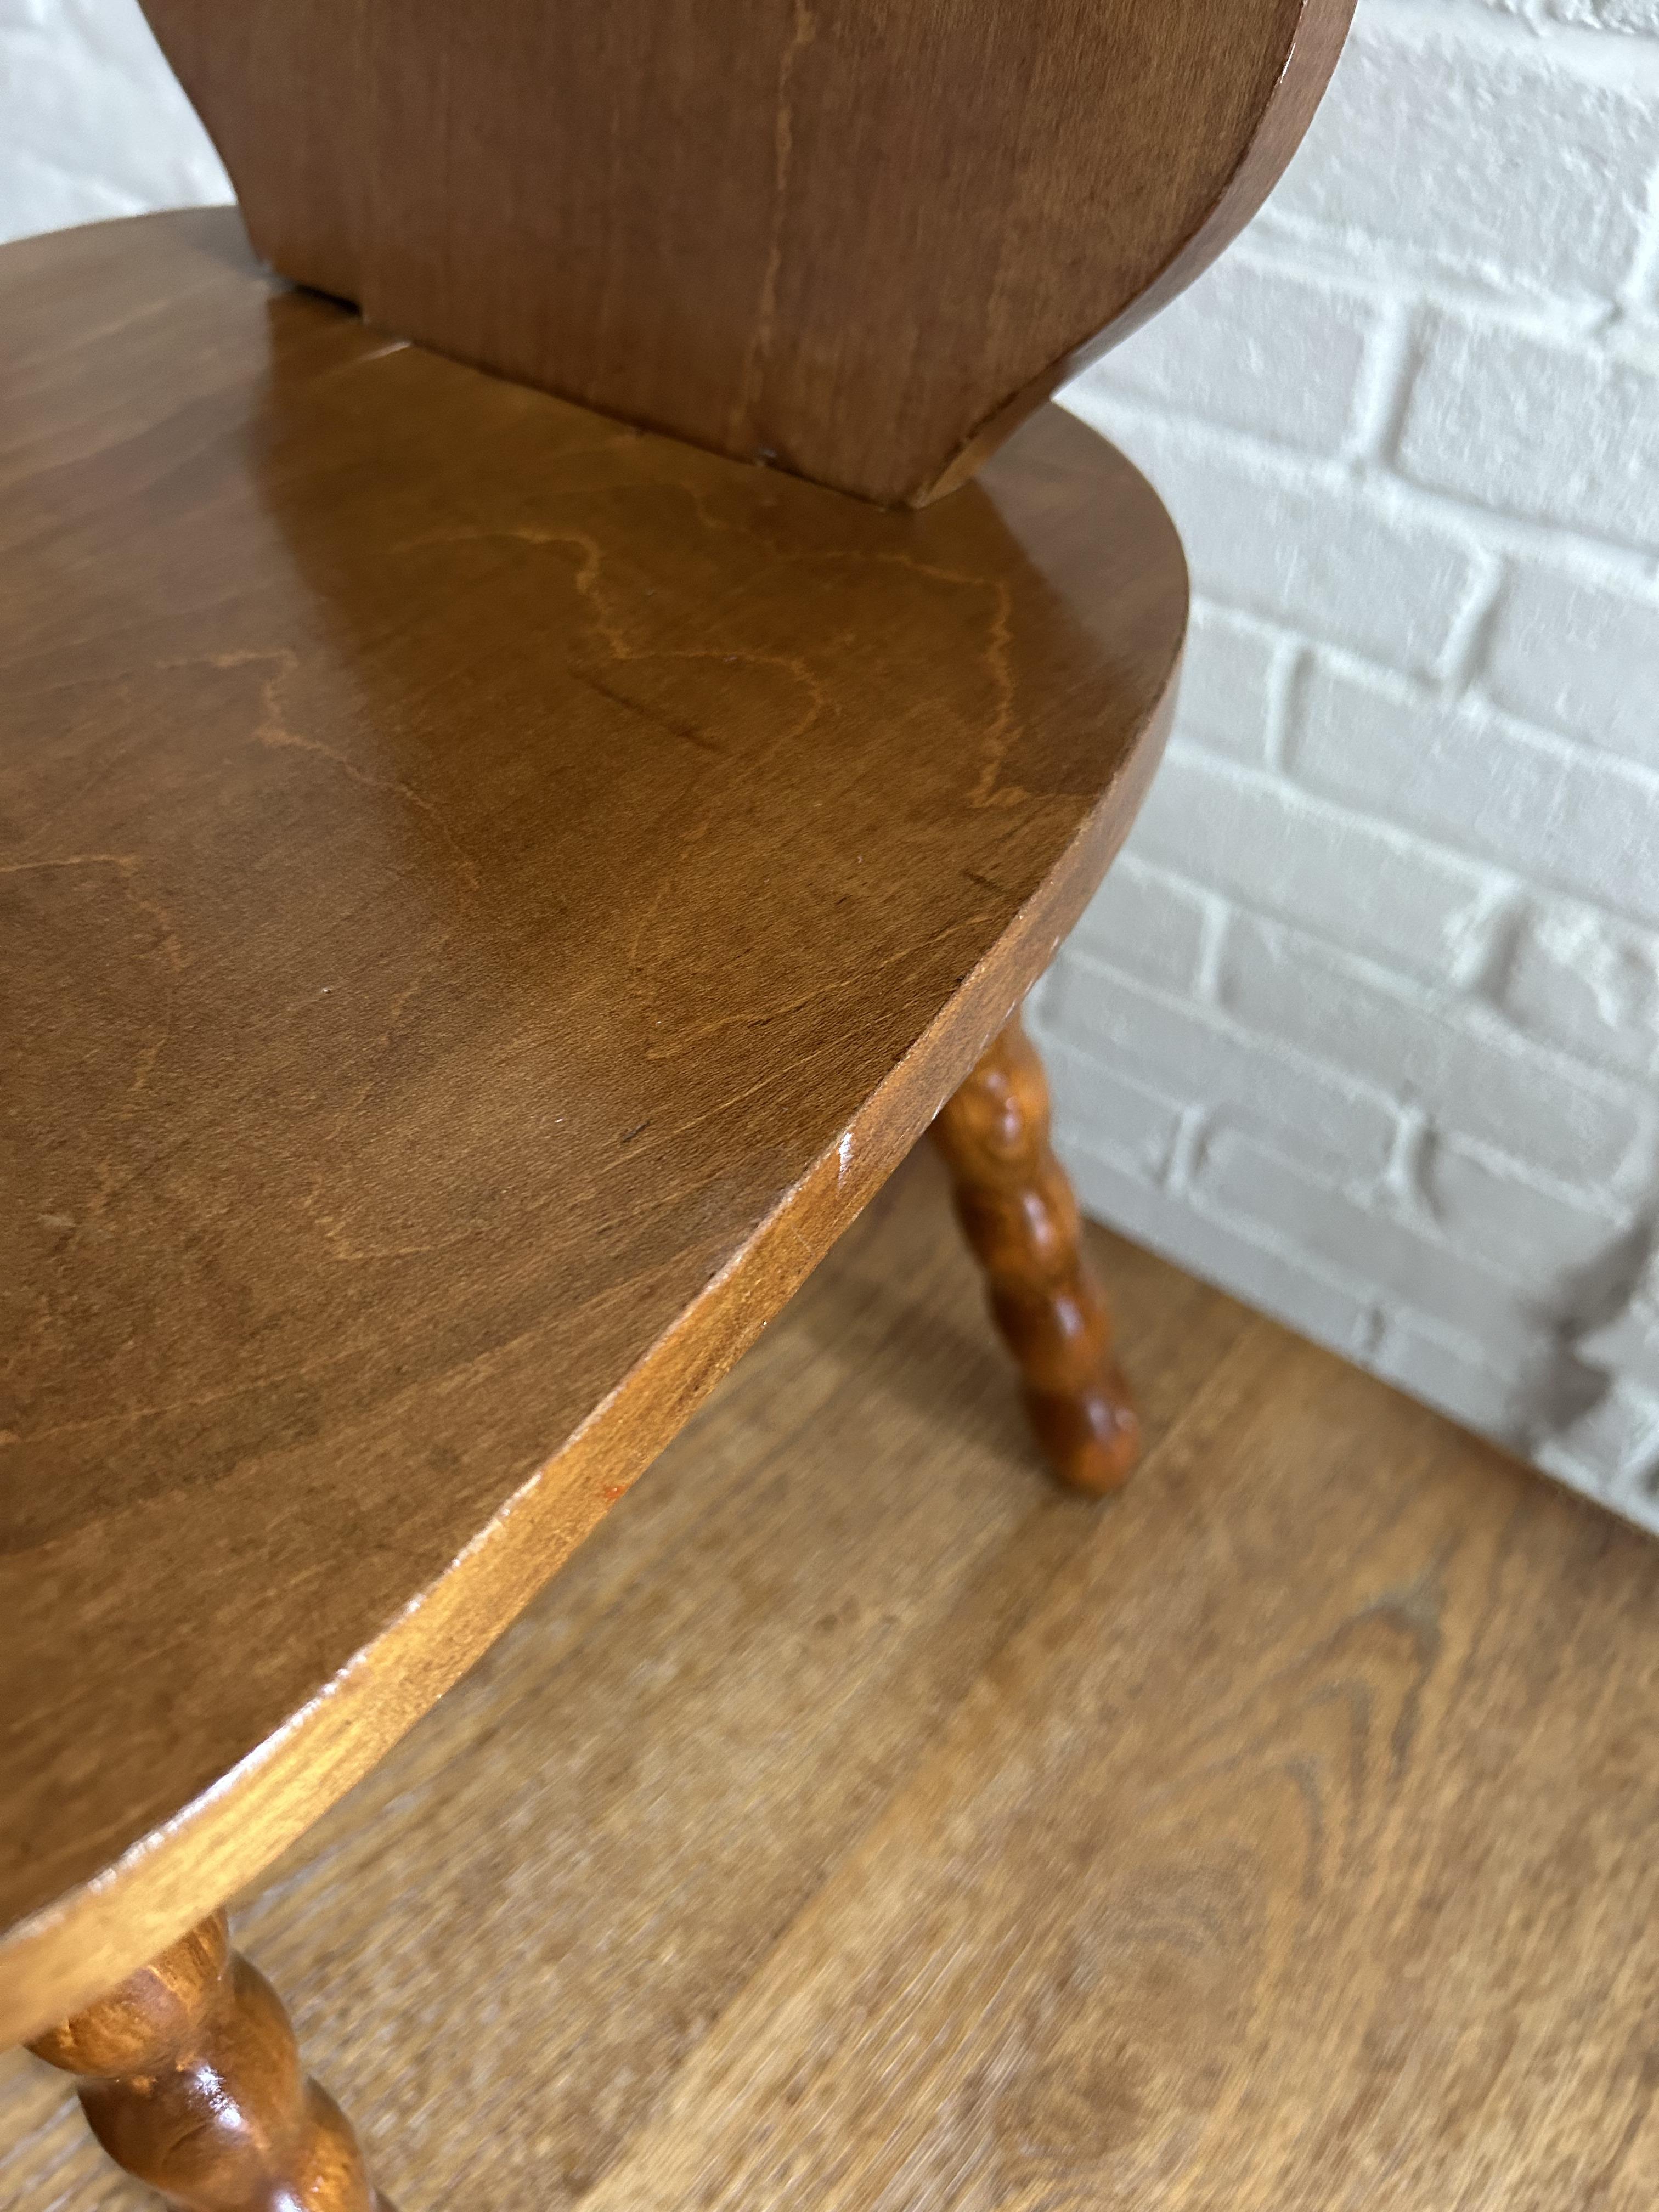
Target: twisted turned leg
{"points": [[1015, 1205], [191, 2080]]}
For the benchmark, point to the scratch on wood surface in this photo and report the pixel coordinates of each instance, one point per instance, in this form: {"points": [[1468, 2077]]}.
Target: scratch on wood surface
{"points": [[273, 730], [1006, 726], [739, 428]]}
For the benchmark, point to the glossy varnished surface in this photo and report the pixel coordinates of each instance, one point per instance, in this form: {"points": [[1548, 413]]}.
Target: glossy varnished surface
{"points": [[858, 240], [189, 2077], [1018, 1211], [859, 1824], [487, 894]]}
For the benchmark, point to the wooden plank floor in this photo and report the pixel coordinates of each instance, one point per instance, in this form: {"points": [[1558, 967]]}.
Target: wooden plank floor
{"points": [[857, 1826]]}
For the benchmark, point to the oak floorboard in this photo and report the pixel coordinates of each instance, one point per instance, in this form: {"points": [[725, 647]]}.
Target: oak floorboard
{"points": [[858, 1823]]}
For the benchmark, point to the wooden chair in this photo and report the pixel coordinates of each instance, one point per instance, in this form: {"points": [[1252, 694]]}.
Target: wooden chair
{"points": [[491, 887]]}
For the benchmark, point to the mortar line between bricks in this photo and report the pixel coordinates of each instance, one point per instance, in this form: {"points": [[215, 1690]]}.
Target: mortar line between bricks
{"points": [[1416, 693], [1384, 385], [1467, 1011], [1371, 266], [1395, 499], [1581, 48], [1539, 1310], [1474, 1018], [1274, 1243], [1499, 883], [1497, 878], [1638, 296], [1465, 655]]}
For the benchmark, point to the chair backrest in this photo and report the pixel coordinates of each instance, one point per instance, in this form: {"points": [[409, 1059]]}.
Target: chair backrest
{"points": [[857, 238]]}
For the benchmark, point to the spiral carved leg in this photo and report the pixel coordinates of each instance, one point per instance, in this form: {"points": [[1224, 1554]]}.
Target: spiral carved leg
{"points": [[1017, 1207], [191, 2080]]}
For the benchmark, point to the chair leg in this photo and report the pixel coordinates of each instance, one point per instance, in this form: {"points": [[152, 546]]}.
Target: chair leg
{"points": [[191, 2080], [1017, 1207]]}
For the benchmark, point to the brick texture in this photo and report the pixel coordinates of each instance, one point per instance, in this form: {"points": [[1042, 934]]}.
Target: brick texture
{"points": [[1561, 653], [1270, 536], [1365, 1023], [92, 124], [1536, 175], [1236, 673], [1443, 1053], [1574, 442], [1256, 838], [1453, 768], [1639, 15], [1410, 431], [1225, 356]]}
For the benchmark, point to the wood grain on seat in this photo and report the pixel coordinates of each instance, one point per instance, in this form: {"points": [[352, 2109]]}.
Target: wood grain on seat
{"points": [[487, 894], [860, 242]]}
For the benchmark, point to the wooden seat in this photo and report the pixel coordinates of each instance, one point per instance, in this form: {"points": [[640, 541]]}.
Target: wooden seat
{"points": [[488, 892]]}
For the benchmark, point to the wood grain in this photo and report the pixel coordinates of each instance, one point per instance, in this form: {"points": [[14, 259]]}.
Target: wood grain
{"points": [[1018, 1211], [859, 243], [859, 1821], [1298, 1852], [489, 894], [191, 2080]]}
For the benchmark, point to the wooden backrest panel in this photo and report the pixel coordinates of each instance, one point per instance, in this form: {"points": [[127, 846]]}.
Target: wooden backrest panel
{"points": [[857, 238]]}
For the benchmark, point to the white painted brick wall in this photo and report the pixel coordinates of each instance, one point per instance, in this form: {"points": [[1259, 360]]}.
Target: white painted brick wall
{"points": [[1561, 652], [1455, 439], [1428, 114], [91, 121], [1365, 1023], [1407, 1093], [1562, 813]]}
